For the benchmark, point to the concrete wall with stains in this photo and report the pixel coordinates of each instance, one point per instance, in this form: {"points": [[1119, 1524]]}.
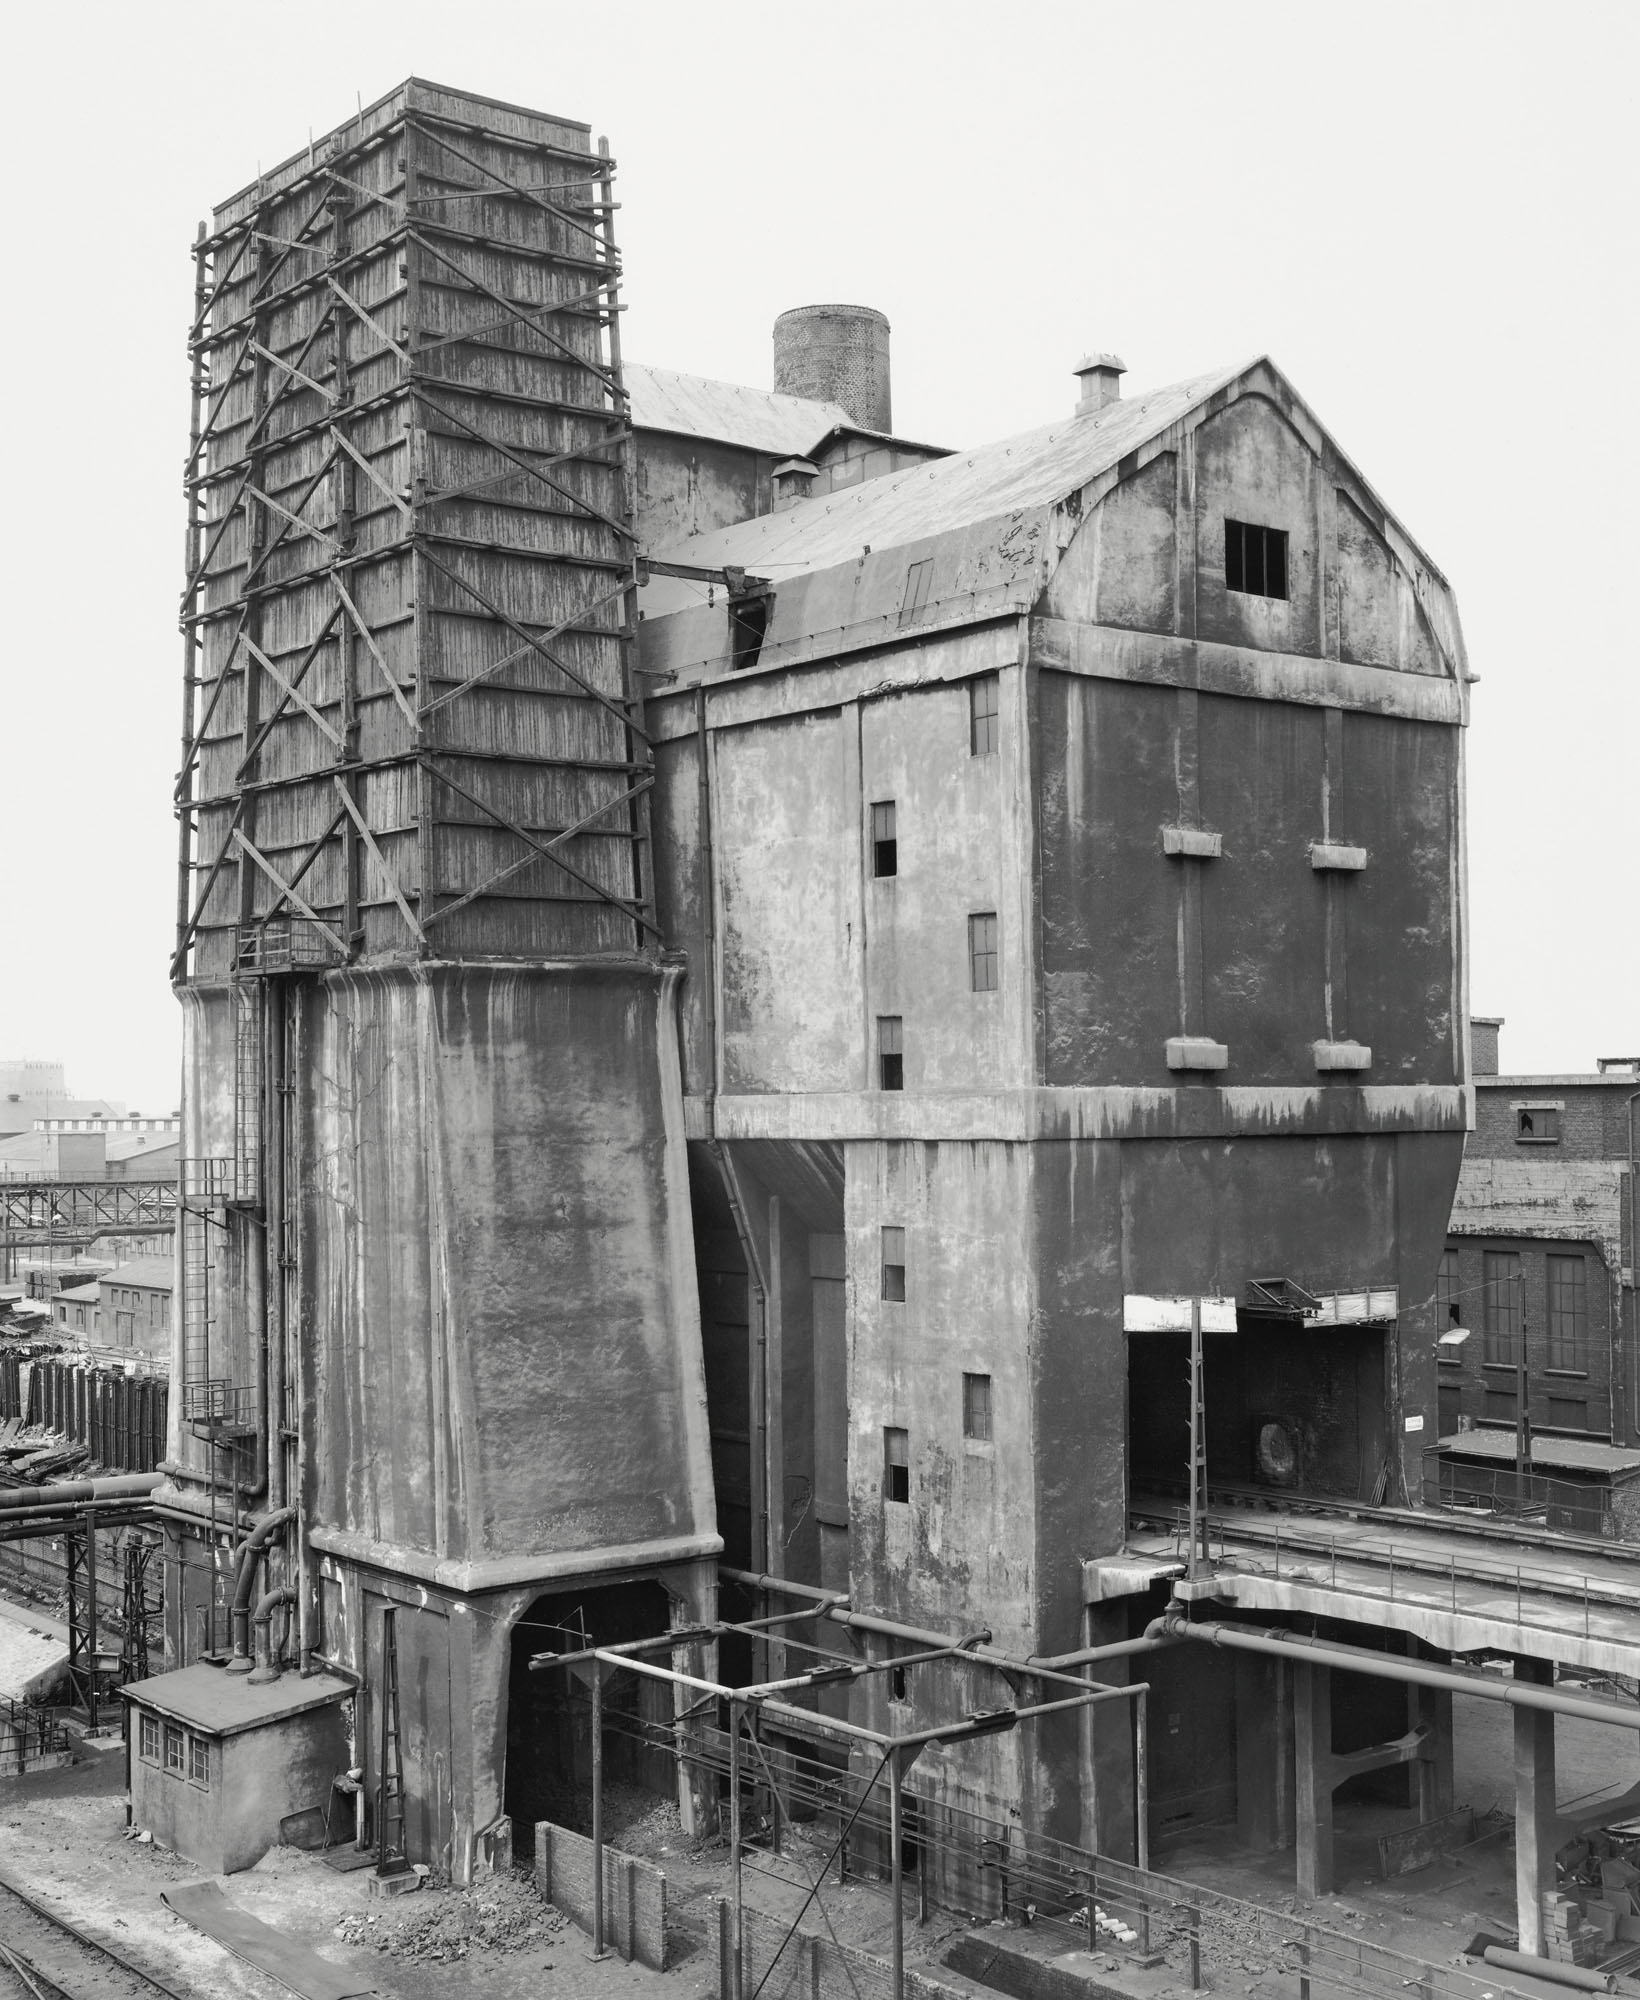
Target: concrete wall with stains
{"points": [[497, 1270]]}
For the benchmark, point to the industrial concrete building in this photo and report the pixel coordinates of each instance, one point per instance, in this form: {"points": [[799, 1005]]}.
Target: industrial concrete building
{"points": [[746, 981]]}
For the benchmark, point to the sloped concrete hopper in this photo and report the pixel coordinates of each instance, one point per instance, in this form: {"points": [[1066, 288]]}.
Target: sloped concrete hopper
{"points": [[217, 1763], [836, 354]]}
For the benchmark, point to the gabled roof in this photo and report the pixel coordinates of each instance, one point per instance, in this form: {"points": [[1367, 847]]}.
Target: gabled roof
{"points": [[158, 1274], [1032, 472], [759, 419]]}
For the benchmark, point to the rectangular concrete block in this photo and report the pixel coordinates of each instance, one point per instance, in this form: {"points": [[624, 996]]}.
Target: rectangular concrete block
{"points": [[1196, 1052], [1342, 1055], [1193, 841], [1335, 857]]}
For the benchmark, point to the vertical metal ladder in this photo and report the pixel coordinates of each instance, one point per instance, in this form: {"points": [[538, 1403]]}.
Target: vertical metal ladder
{"points": [[390, 1854]]}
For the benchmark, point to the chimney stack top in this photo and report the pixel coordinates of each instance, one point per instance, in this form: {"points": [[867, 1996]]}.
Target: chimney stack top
{"points": [[1101, 378]]}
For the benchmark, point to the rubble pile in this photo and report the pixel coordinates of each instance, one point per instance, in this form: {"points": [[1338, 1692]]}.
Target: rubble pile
{"points": [[502, 1915]]}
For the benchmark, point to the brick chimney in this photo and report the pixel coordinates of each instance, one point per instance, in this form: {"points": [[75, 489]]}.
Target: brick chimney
{"points": [[1483, 1043]]}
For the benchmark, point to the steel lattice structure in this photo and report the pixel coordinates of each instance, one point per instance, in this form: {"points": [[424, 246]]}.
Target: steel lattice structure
{"points": [[409, 725], [53, 1211]]}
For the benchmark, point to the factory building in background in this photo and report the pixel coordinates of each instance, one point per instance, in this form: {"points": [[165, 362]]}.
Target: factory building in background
{"points": [[745, 976]]}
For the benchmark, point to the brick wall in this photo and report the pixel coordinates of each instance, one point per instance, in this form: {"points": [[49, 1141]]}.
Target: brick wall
{"points": [[806, 1966], [1593, 1122], [634, 1892]]}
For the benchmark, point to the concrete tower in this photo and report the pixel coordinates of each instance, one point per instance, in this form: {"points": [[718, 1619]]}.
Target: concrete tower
{"points": [[439, 1329]]}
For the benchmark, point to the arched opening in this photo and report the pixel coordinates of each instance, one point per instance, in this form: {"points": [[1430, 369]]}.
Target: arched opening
{"points": [[549, 1714]]}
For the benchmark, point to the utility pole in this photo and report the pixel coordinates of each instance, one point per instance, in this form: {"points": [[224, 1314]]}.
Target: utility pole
{"points": [[1198, 1447], [1523, 1428]]}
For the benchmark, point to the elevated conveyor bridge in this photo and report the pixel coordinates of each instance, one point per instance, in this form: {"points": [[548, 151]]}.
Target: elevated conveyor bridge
{"points": [[58, 1212]]}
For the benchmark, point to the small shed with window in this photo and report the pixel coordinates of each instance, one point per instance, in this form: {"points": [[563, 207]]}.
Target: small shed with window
{"points": [[217, 1761]]}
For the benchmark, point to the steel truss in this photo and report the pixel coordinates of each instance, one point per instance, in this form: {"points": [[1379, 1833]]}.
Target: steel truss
{"points": [[408, 406], [47, 1211]]}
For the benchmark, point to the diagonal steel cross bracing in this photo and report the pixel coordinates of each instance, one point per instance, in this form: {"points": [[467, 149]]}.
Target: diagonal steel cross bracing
{"points": [[329, 329], [41, 1211]]}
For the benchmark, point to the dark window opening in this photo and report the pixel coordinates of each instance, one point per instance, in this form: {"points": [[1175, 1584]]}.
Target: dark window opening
{"points": [[896, 1465], [983, 732], [1500, 1406], [890, 1053], [896, 1684], [917, 579], [748, 621], [1448, 1313], [1568, 1413], [894, 1264], [982, 951], [885, 845], [1255, 559], [976, 1406], [1568, 1314], [1540, 1122], [1501, 1270]]}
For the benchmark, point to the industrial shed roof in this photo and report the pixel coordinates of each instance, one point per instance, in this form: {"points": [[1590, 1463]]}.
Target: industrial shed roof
{"points": [[156, 1274], [1032, 471], [786, 426], [1568, 1454]]}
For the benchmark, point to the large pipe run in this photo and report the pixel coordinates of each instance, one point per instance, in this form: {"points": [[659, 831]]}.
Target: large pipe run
{"points": [[1277, 1644], [267, 1654], [249, 1556], [70, 1492]]}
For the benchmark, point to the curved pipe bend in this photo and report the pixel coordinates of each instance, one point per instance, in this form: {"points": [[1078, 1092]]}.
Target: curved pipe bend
{"points": [[269, 1655], [250, 1554]]}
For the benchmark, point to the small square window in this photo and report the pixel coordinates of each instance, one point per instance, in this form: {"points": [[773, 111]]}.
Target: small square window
{"points": [[174, 1749], [982, 715], [976, 1406], [982, 951], [148, 1738], [1255, 559], [1539, 1123], [885, 847], [890, 1053], [199, 1760], [894, 1264], [896, 1465]]}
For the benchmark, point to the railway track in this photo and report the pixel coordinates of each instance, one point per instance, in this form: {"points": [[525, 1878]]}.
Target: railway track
{"points": [[45, 1956]]}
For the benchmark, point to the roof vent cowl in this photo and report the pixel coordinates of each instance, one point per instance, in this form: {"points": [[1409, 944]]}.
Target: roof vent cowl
{"points": [[1101, 378]]}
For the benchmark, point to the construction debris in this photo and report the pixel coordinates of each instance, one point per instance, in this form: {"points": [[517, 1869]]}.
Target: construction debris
{"points": [[503, 1914]]}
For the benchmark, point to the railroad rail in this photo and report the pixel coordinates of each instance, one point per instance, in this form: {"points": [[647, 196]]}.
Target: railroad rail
{"points": [[48, 1955]]}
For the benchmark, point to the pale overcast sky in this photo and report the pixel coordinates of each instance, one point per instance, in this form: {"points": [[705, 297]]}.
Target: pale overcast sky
{"points": [[1425, 213]]}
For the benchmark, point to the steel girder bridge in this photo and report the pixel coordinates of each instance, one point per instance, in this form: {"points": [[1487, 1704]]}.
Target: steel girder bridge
{"points": [[44, 1212]]}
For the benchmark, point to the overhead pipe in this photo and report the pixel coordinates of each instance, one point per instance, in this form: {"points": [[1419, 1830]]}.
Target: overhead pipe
{"points": [[70, 1492], [268, 1655], [1276, 1643], [976, 1645], [250, 1553]]}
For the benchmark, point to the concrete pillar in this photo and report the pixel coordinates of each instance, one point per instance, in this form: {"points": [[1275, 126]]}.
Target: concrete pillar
{"points": [[1264, 1753], [1107, 1742], [1432, 1710], [1534, 1806], [1313, 1775]]}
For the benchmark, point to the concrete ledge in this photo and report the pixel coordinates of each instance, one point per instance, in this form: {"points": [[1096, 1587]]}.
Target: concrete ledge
{"points": [[1196, 1052], [503, 1572], [1118, 1111], [1334, 856], [1342, 1055], [1194, 841], [1105, 1578]]}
